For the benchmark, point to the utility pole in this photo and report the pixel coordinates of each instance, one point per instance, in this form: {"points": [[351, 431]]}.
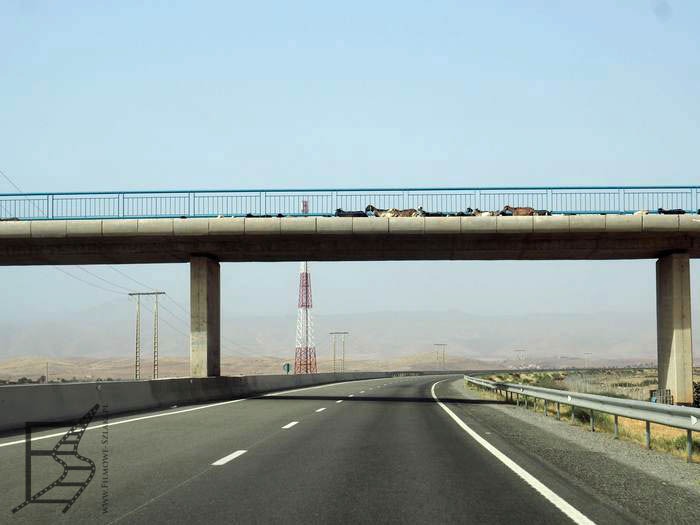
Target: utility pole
{"points": [[338, 361], [333, 345], [137, 364], [47, 372], [155, 338], [440, 350], [521, 353], [342, 362]]}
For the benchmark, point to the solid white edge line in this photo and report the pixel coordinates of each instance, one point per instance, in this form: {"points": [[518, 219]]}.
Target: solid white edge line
{"points": [[321, 409], [228, 458], [121, 422], [290, 425], [549, 495]]}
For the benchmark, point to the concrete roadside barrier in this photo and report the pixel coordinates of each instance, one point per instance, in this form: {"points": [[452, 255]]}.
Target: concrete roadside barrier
{"points": [[20, 404]]}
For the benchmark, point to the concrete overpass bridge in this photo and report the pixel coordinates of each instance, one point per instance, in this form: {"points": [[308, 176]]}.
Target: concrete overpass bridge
{"points": [[207, 228]]}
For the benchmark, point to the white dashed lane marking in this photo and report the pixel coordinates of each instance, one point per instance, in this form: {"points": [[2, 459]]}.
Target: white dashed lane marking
{"points": [[290, 425], [226, 459]]}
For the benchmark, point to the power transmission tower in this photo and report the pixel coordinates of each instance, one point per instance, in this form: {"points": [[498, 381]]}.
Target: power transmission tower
{"points": [[440, 352], [338, 360], [137, 364], [305, 351]]}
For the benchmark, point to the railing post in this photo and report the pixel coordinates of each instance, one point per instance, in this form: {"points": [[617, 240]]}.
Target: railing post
{"points": [[689, 445], [573, 419], [558, 412], [616, 428], [647, 435], [621, 197], [592, 421], [544, 402]]}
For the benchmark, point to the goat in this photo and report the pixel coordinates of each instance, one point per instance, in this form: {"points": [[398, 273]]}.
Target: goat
{"points": [[517, 211], [478, 213], [340, 213], [391, 212]]}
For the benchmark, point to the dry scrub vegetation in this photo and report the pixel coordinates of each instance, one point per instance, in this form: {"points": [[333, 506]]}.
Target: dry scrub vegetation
{"points": [[627, 383]]}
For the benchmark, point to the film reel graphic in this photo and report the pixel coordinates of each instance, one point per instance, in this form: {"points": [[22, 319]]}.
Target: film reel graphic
{"points": [[67, 446]]}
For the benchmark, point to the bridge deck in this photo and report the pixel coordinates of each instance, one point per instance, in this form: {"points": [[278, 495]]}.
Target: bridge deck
{"points": [[116, 241]]}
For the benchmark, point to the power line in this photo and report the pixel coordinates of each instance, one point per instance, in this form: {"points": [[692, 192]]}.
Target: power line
{"points": [[123, 274], [185, 310], [12, 183], [174, 315], [127, 290], [120, 287], [87, 282]]}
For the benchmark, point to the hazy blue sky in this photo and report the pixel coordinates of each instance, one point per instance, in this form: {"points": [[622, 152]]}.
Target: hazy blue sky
{"points": [[175, 95]]}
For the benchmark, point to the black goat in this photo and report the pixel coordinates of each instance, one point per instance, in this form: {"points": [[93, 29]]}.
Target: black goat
{"points": [[341, 213]]}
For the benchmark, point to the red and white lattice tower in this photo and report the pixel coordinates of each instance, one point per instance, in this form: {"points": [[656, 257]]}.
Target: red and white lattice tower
{"points": [[305, 354]]}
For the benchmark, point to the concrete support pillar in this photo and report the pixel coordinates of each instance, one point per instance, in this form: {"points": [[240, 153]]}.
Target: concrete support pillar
{"points": [[205, 317], [673, 327]]}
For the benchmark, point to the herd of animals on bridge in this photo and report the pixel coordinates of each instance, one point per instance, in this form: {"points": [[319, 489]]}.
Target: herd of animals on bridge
{"points": [[507, 211]]}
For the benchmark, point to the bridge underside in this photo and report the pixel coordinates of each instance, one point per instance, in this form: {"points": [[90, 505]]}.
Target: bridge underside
{"points": [[155, 249]]}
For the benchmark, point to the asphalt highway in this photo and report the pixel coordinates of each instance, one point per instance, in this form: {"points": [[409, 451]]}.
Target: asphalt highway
{"points": [[399, 450]]}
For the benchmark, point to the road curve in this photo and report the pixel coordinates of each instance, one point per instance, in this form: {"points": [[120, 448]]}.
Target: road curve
{"points": [[375, 451]]}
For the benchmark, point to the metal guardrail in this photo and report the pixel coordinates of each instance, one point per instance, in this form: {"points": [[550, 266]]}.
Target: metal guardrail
{"points": [[686, 418], [211, 203]]}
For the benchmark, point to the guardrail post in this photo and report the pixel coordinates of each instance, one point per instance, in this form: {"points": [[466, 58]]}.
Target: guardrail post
{"points": [[592, 421], [647, 435], [616, 428], [572, 415], [689, 445], [558, 411], [544, 402]]}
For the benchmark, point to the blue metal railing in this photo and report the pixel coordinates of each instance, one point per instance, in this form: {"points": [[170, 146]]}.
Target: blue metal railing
{"points": [[212, 203]]}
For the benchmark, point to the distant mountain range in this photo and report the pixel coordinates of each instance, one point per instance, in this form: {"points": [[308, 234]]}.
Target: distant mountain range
{"points": [[102, 341]]}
